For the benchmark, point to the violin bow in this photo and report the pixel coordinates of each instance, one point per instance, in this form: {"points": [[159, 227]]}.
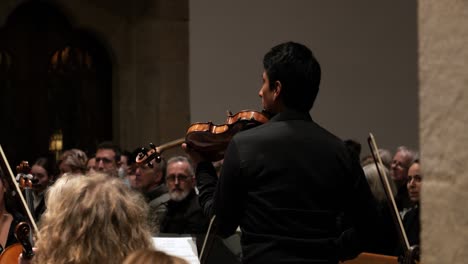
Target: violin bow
{"points": [[208, 241], [388, 191], [4, 165]]}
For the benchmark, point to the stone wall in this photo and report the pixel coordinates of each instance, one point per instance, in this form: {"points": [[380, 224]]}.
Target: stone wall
{"points": [[148, 43], [443, 93]]}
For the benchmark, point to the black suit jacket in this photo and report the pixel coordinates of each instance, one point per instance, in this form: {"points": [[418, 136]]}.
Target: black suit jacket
{"points": [[184, 217], [286, 183]]}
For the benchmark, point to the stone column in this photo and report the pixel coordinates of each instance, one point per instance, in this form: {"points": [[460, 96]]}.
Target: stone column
{"points": [[443, 93]]}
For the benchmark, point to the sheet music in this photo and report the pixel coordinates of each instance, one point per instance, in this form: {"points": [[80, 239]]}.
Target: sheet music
{"points": [[183, 247]]}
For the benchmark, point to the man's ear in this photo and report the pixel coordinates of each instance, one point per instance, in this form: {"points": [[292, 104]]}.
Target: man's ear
{"points": [[277, 90]]}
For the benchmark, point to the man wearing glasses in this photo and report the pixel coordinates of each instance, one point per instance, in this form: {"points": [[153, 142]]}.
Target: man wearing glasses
{"points": [[150, 182], [184, 215], [108, 158], [401, 162]]}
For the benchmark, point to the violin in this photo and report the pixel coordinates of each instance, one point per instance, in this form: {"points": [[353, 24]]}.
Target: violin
{"points": [[207, 138], [12, 252], [23, 234]]}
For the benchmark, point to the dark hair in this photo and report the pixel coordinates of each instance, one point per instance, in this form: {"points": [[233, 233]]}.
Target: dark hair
{"points": [[112, 146], [295, 67], [354, 148], [49, 165], [129, 156]]}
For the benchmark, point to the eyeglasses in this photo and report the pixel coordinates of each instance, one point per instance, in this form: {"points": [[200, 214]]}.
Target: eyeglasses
{"points": [[181, 178], [399, 164], [104, 160]]}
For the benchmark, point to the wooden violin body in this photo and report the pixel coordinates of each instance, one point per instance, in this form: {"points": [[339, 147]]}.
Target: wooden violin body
{"points": [[212, 140], [10, 254], [23, 234], [207, 138]]}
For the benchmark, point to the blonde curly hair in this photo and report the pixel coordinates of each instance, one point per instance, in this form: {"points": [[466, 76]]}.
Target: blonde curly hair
{"points": [[91, 219], [76, 159]]}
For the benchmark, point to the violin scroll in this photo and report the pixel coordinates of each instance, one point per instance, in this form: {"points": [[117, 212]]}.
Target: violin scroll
{"points": [[23, 234], [147, 156], [23, 177]]}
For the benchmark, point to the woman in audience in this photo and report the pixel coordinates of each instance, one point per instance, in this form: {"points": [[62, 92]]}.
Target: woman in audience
{"points": [[73, 161], [411, 218], [91, 219], [43, 172]]}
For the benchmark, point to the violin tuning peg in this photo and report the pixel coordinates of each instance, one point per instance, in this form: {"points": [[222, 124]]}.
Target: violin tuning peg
{"points": [[152, 145]]}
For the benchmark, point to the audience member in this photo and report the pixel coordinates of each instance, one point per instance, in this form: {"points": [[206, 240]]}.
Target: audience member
{"points": [[91, 165], [43, 175], [125, 161], [411, 218], [385, 155], [108, 158], [148, 256], [184, 215], [150, 182], [73, 161], [93, 219], [401, 162]]}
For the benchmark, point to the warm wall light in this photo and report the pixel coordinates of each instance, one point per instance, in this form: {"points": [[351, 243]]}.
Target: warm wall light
{"points": [[70, 59], [56, 143]]}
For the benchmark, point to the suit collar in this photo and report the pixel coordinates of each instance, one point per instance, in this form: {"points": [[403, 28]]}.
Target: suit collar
{"points": [[290, 114]]}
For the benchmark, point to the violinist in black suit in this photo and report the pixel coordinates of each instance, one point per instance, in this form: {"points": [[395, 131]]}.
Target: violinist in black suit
{"points": [[287, 182]]}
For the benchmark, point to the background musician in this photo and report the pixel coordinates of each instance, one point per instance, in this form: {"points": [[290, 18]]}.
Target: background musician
{"points": [[9, 218], [91, 219]]}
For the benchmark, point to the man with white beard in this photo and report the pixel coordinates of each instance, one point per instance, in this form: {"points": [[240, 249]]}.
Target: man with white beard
{"points": [[184, 214]]}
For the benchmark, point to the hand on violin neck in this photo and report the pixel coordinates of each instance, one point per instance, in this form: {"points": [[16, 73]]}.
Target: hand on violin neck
{"points": [[196, 156]]}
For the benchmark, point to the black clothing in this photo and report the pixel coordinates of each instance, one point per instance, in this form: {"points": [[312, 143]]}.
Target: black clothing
{"points": [[286, 183], [40, 209], [412, 225], [389, 239], [157, 200], [402, 199], [185, 217]]}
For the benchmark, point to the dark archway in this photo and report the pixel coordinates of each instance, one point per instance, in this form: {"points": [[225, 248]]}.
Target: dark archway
{"points": [[59, 79]]}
